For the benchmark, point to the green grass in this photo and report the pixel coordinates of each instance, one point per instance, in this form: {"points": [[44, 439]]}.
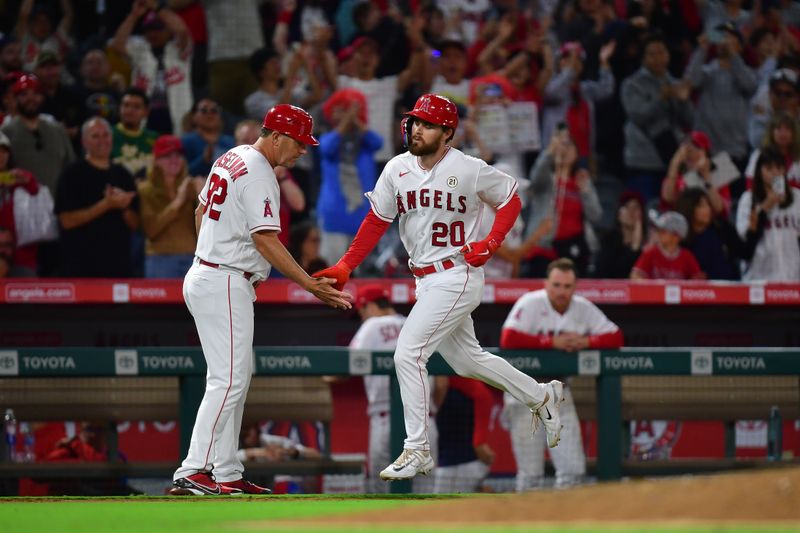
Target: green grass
{"points": [[202, 515]]}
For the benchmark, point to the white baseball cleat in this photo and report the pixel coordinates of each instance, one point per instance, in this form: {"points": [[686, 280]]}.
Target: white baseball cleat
{"points": [[409, 464], [548, 413]]}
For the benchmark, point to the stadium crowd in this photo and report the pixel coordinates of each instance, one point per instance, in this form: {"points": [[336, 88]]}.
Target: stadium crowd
{"points": [[650, 139]]}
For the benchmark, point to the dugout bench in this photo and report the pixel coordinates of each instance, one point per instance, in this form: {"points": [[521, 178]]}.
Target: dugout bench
{"points": [[610, 386], [109, 400]]}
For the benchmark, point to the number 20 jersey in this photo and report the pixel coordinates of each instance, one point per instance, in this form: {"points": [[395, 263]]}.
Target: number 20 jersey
{"points": [[240, 197], [440, 209]]}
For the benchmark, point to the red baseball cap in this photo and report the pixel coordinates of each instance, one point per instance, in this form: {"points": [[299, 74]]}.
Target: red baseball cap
{"points": [[27, 81], [700, 140], [371, 293], [167, 144]]}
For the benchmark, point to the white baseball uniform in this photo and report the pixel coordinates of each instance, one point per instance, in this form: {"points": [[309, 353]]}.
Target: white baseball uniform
{"points": [[240, 197], [440, 211], [379, 333], [533, 314]]}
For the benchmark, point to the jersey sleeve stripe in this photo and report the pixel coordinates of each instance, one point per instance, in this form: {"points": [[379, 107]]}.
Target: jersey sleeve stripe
{"points": [[265, 226], [201, 199], [375, 209], [509, 197]]}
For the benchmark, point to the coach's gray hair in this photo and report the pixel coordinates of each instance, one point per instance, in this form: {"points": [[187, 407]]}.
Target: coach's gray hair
{"points": [[86, 125]]}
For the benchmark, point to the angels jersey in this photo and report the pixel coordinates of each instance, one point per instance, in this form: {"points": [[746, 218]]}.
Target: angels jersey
{"points": [[241, 196], [378, 333], [440, 209], [534, 315]]}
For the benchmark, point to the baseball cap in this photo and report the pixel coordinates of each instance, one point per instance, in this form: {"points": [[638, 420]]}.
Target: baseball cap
{"points": [[730, 27], [28, 81], [152, 21], [358, 42], [671, 221], [569, 46], [345, 53], [167, 144], [47, 57], [451, 43], [784, 75], [371, 293], [700, 140]]}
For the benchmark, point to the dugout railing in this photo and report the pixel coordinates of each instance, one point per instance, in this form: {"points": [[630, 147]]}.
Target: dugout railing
{"points": [[610, 386]]}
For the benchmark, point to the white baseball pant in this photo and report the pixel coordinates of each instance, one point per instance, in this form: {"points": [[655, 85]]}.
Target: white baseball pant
{"points": [[440, 320], [221, 302], [568, 457]]}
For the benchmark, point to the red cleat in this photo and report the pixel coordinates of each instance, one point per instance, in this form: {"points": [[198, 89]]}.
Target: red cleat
{"points": [[242, 486], [199, 484]]}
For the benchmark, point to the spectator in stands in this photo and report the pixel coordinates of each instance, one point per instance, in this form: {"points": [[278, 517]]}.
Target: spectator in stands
{"points": [[712, 238], [465, 455], [565, 192], [275, 88], [553, 318], [770, 210], [234, 32], [60, 101], [692, 167], [246, 132], [21, 259], [717, 13], [34, 29], [160, 63], [381, 93], [622, 246], [10, 55], [570, 99], [783, 97], [347, 169], [206, 142], [133, 141], [167, 199], [97, 208], [39, 145], [449, 72], [658, 108], [8, 249], [783, 136], [97, 91], [725, 86], [666, 258], [304, 240]]}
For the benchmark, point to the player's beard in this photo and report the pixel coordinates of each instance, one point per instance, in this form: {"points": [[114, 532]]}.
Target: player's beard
{"points": [[420, 148]]}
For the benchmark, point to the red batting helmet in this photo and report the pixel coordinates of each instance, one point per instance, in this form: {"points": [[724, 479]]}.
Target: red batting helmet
{"points": [[292, 122], [436, 109]]}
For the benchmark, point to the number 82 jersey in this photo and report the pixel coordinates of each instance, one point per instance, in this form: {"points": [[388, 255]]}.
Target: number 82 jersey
{"points": [[440, 209], [241, 196]]}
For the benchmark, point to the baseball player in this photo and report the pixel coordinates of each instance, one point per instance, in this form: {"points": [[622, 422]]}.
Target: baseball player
{"points": [[553, 318], [379, 331], [237, 244], [440, 195]]}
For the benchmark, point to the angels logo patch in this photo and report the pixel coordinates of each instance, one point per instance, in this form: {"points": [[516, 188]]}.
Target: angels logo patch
{"points": [[267, 208]]}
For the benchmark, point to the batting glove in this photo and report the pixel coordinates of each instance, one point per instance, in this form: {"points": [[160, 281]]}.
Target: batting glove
{"points": [[338, 272], [477, 253]]}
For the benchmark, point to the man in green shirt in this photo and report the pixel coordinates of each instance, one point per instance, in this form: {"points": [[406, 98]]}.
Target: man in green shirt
{"points": [[132, 141]]}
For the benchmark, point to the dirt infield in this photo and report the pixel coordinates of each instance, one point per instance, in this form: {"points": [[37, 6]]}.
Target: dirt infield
{"points": [[768, 495]]}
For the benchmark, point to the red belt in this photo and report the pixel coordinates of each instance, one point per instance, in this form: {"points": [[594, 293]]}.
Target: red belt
{"points": [[421, 272], [247, 275]]}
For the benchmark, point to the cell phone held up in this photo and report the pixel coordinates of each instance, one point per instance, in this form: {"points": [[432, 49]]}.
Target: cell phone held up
{"points": [[779, 185]]}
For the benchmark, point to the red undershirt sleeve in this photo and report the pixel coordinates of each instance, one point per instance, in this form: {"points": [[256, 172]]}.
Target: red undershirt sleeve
{"points": [[370, 232]]}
